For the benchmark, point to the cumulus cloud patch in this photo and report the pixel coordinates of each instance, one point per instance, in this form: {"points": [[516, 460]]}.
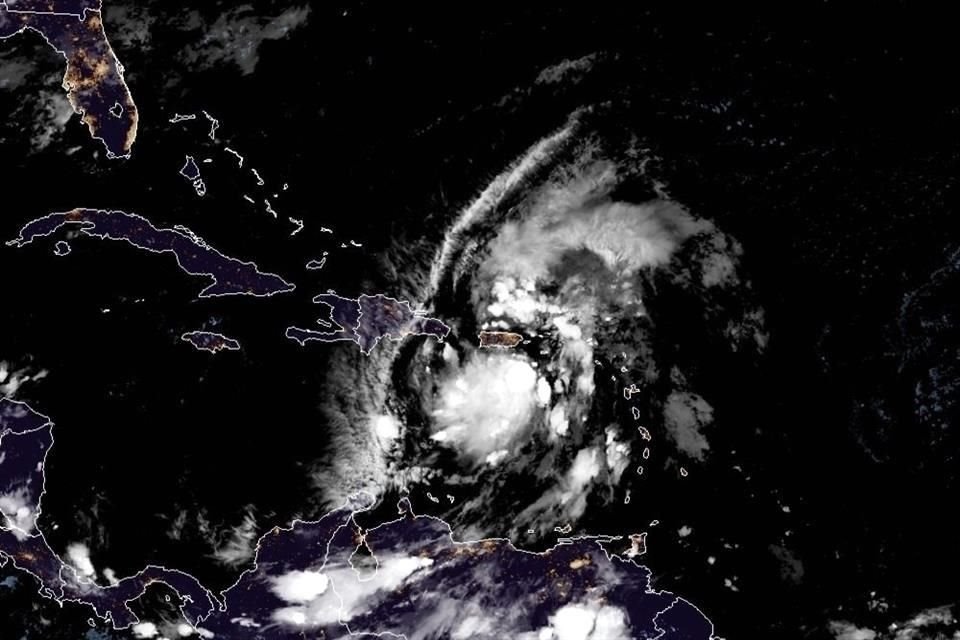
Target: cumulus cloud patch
{"points": [[144, 630], [300, 586], [78, 555], [19, 512], [343, 594], [237, 35]]}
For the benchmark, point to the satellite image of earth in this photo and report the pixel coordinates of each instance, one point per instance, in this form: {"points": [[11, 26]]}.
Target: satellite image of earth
{"points": [[594, 322]]}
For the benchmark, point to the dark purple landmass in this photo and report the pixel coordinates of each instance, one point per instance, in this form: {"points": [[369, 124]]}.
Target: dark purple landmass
{"points": [[367, 320], [21, 478], [25, 439], [18, 417], [343, 313], [210, 341], [196, 602], [34, 555], [94, 77], [61, 582], [441, 583], [71, 7], [194, 256], [190, 170], [331, 577], [61, 248]]}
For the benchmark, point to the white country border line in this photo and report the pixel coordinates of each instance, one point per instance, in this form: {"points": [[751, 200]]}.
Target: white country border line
{"points": [[404, 507], [417, 314], [58, 596], [107, 616], [48, 424], [81, 16], [316, 336]]}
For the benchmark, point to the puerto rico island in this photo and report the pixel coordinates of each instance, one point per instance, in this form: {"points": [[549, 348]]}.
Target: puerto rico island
{"points": [[499, 339], [367, 320], [230, 277], [93, 79], [210, 341]]}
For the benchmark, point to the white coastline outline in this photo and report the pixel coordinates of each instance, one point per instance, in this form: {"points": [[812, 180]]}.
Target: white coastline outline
{"points": [[214, 125], [189, 161], [226, 346], [106, 41], [298, 223], [236, 155], [178, 117], [84, 228], [316, 265]]}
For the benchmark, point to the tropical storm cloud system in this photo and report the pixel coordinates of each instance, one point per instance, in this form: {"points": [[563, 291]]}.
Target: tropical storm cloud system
{"points": [[496, 322]]}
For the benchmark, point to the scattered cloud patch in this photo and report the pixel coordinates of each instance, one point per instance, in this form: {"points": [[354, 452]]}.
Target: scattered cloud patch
{"points": [[13, 73], [685, 415], [18, 508], [848, 631], [568, 499], [11, 380], [237, 35], [347, 596], [627, 237], [239, 546], [567, 71], [587, 621]]}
